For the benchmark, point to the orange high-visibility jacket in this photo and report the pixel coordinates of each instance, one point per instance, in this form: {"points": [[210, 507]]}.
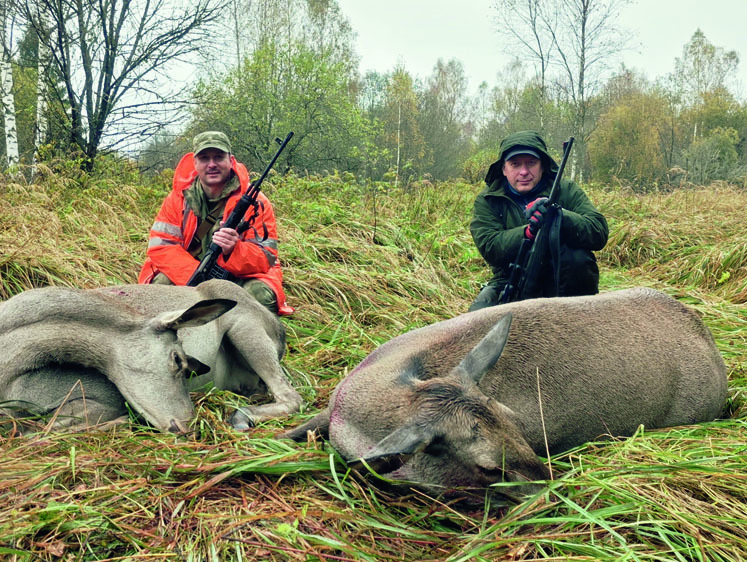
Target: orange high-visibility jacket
{"points": [[176, 224]]}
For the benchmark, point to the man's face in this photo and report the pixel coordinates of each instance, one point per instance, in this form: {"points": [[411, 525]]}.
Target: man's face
{"points": [[523, 172], [214, 169]]}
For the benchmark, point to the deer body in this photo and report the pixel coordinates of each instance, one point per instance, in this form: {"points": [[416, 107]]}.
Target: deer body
{"points": [[242, 348], [83, 353], [457, 403]]}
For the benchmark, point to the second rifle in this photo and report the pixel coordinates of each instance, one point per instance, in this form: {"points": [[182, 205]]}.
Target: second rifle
{"points": [[524, 271]]}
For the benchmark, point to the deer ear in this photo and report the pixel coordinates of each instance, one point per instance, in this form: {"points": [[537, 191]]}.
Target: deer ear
{"points": [[487, 352], [196, 315], [395, 449]]}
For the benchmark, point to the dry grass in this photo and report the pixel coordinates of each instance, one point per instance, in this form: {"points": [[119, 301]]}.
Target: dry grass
{"points": [[61, 231], [693, 238], [364, 264]]}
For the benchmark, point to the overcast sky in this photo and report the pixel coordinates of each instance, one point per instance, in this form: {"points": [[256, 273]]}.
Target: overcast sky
{"points": [[417, 33]]}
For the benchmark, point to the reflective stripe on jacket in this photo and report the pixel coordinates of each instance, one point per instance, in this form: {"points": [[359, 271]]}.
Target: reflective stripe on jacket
{"points": [[175, 226]]}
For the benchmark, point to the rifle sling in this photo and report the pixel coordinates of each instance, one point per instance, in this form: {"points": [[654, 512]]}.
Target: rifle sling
{"points": [[545, 254], [553, 243], [196, 247]]}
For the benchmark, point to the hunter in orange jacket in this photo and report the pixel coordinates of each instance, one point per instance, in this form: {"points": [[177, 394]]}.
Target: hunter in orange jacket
{"points": [[255, 255]]}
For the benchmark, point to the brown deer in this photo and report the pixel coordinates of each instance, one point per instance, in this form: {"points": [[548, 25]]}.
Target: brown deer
{"points": [[477, 399]]}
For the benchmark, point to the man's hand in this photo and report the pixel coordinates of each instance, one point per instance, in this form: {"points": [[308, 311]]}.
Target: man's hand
{"points": [[226, 238], [536, 214]]}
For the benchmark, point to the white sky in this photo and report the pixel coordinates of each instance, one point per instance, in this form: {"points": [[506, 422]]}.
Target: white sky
{"points": [[417, 33]]}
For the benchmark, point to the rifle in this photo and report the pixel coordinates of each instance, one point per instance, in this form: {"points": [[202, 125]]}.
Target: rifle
{"points": [[524, 271], [207, 268]]}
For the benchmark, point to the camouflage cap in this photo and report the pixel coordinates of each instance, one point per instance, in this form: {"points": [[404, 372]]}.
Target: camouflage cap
{"points": [[211, 139]]}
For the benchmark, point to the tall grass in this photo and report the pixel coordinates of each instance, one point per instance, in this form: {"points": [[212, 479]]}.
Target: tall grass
{"points": [[364, 263]]}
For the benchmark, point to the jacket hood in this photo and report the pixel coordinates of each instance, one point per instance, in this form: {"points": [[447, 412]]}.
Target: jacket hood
{"points": [[529, 139]]}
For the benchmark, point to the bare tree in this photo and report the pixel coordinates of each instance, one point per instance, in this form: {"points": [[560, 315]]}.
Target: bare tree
{"points": [[109, 56], [578, 37], [587, 41], [530, 34]]}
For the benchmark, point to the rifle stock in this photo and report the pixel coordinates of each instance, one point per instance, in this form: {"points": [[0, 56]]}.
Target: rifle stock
{"points": [[206, 269], [524, 271]]}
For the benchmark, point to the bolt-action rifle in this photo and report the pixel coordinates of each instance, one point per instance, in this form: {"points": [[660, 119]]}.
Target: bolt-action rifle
{"points": [[207, 268], [523, 281]]}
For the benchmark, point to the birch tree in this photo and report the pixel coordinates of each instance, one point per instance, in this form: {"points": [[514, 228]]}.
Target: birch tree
{"points": [[6, 84], [44, 57], [528, 28], [703, 68], [444, 118], [701, 74], [587, 41], [401, 133]]}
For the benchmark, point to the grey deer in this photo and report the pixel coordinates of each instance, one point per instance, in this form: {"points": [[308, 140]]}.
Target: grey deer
{"points": [[456, 404], [83, 355]]}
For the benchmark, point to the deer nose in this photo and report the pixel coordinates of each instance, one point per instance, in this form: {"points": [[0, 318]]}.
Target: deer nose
{"points": [[178, 427]]}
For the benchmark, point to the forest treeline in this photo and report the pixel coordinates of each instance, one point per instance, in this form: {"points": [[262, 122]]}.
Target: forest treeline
{"points": [[91, 80]]}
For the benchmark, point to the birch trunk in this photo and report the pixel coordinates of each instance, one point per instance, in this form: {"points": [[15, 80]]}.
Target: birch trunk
{"points": [[9, 111], [6, 91]]}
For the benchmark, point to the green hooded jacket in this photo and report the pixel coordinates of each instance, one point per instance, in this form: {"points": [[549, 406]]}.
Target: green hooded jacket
{"points": [[498, 220]]}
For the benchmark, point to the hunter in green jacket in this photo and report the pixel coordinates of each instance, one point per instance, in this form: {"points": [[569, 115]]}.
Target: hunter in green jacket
{"points": [[513, 206]]}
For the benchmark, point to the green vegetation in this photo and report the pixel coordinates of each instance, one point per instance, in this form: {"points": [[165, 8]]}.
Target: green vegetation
{"points": [[364, 263]]}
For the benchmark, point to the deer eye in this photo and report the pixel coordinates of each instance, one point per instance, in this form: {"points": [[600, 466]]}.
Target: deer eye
{"points": [[437, 447], [492, 472], [177, 361]]}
